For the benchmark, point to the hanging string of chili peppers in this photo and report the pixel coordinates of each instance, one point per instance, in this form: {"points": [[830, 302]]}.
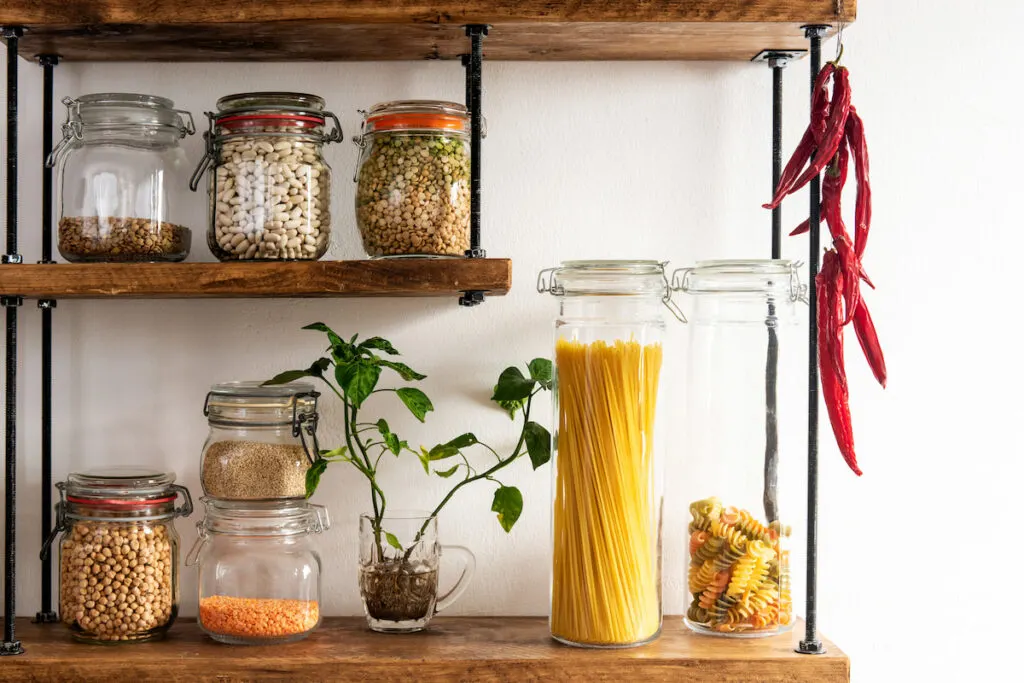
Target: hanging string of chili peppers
{"points": [[834, 136]]}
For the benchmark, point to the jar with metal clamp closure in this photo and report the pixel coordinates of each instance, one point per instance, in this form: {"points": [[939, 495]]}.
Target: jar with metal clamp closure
{"points": [[121, 176], [745, 436], [607, 493], [270, 187], [118, 553], [262, 441]]}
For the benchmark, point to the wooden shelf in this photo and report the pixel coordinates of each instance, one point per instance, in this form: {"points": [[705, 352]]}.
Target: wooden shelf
{"points": [[285, 30], [385, 277], [453, 649]]}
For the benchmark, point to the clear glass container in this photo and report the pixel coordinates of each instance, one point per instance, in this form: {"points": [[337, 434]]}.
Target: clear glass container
{"points": [[118, 553], [399, 585], [270, 187], [259, 570], [746, 429], [262, 441], [607, 494], [122, 176], [412, 182]]}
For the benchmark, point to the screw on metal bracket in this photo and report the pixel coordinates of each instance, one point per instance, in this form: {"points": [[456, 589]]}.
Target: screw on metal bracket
{"points": [[472, 298], [12, 648], [816, 30], [48, 60], [778, 58], [476, 253], [47, 303], [9, 301], [12, 31], [477, 29], [811, 647], [11, 258], [45, 618]]}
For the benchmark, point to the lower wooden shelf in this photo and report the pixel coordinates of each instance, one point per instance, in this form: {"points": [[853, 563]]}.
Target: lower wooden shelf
{"points": [[453, 649], [382, 277]]}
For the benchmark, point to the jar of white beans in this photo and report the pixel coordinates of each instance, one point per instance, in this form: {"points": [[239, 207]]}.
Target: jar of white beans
{"points": [[269, 186]]}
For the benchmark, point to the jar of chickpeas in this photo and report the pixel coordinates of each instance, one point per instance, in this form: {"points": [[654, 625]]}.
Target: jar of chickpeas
{"points": [[413, 179], [270, 187], [119, 553]]}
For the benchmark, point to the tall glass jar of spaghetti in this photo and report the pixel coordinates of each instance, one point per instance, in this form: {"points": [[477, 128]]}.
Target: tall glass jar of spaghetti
{"points": [[607, 494], [745, 431]]}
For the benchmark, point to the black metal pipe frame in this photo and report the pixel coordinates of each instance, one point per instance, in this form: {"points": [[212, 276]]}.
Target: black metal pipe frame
{"points": [[810, 644], [474, 99], [46, 614], [10, 645]]}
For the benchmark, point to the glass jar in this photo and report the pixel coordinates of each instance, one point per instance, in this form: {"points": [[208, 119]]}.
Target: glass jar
{"points": [[746, 384], [121, 175], [262, 440], [606, 571], [412, 191], [270, 189], [118, 553], [259, 571]]}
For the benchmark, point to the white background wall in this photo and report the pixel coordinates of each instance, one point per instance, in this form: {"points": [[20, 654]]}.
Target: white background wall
{"points": [[631, 160]]}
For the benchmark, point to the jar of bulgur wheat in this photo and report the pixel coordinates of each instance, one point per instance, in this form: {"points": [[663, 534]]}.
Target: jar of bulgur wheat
{"points": [[412, 191], [119, 553], [270, 188]]}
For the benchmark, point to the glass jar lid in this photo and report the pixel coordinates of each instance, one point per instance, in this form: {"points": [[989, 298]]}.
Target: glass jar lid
{"points": [[253, 404], [418, 116], [270, 101], [128, 482], [742, 277], [605, 278], [127, 109], [263, 519]]}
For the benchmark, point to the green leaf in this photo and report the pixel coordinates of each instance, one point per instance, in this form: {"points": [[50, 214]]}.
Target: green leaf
{"points": [[538, 443], [340, 453], [540, 370], [447, 473], [512, 386], [357, 380], [447, 450], [508, 503], [313, 475], [463, 441], [392, 540], [403, 370], [416, 401], [393, 444], [318, 368], [512, 407], [287, 376], [383, 428], [331, 334], [380, 344], [424, 456]]}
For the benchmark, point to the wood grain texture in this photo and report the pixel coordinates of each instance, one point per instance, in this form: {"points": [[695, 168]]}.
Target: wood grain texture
{"points": [[495, 649], [385, 277], [284, 30]]}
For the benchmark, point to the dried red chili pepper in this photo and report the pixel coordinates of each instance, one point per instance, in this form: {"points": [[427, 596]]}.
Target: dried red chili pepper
{"points": [[832, 370], [864, 326], [858, 143]]}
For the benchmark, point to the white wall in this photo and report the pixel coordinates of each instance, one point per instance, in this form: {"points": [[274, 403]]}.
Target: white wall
{"points": [[642, 160]]}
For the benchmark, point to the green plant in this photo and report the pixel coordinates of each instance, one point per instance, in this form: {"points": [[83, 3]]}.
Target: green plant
{"points": [[356, 368]]}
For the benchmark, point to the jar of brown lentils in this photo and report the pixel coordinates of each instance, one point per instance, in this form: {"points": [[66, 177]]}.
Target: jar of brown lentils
{"points": [[119, 553], [412, 191]]}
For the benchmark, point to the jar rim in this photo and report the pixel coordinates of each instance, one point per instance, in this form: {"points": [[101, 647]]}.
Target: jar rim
{"points": [[418, 115], [112, 110], [741, 276], [606, 277], [258, 518], [254, 389], [120, 482], [270, 100]]}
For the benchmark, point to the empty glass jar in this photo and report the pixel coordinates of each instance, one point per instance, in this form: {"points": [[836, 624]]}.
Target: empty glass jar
{"points": [[118, 553], [412, 192], [122, 175], [259, 571], [606, 572], [270, 189], [746, 422], [262, 440]]}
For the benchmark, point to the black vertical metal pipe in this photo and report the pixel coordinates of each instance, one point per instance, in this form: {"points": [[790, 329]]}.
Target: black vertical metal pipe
{"points": [[476, 119], [10, 645], [46, 613], [777, 65], [810, 644]]}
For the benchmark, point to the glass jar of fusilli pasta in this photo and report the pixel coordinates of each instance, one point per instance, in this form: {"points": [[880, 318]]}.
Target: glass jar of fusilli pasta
{"points": [[606, 570], [745, 383]]}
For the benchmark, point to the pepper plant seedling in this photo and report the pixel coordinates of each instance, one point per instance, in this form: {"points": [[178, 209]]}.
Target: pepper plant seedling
{"points": [[352, 369]]}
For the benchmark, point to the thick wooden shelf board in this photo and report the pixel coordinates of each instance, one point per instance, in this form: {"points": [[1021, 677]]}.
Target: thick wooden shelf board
{"points": [[385, 277], [285, 30], [453, 649]]}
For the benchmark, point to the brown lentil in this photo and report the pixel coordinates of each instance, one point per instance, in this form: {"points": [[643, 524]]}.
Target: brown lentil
{"points": [[413, 195], [251, 470], [90, 238], [116, 580]]}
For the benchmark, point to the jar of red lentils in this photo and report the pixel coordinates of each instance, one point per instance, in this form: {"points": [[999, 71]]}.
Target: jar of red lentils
{"points": [[259, 570]]}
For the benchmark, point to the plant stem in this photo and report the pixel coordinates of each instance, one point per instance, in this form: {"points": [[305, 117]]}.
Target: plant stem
{"points": [[375, 490]]}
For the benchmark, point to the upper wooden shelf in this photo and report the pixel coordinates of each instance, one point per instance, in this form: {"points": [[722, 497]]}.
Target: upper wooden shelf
{"points": [[385, 277], [453, 649], [321, 30]]}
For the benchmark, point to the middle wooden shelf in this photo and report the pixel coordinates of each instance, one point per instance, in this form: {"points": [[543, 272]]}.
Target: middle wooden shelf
{"points": [[405, 277]]}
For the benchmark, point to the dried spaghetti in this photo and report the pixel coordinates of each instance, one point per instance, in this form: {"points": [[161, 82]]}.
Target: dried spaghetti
{"points": [[605, 587]]}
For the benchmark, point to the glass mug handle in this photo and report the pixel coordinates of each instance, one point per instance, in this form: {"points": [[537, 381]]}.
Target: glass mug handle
{"points": [[453, 594]]}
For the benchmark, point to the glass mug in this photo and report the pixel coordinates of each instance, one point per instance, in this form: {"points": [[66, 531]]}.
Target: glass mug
{"points": [[398, 571]]}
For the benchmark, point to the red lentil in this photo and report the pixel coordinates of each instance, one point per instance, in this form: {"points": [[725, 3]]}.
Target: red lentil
{"points": [[258, 617]]}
